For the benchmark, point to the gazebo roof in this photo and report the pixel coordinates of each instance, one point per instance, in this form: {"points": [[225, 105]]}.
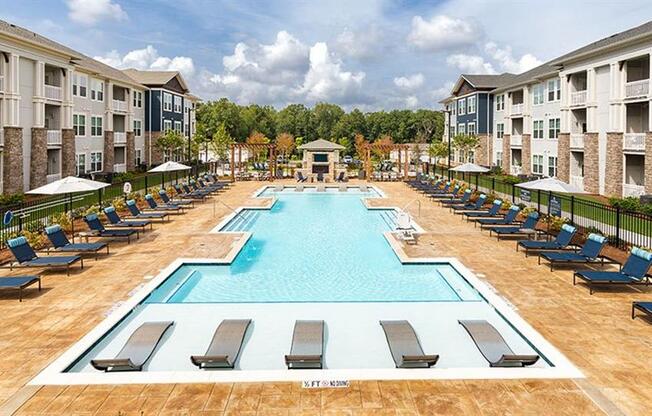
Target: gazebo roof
{"points": [[321, 145]]}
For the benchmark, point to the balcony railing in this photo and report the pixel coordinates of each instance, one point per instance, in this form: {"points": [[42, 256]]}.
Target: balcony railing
{"points": [[53, 92], [120, 168], [577, 181], [119, 105], [633, 190], [53, 177], [119, 137], [2, 83], [517, 109], [578, 98], [634, 141], [516, 140], [636, 89], [516, 170], [54, 137], [577, 141]]}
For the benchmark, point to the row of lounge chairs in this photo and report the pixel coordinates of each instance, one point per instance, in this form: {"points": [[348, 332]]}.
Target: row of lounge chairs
{"points": [[307, 346]]}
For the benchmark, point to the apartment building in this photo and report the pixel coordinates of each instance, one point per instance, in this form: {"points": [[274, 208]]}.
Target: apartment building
{"points": [[63, 113], [583, 117]]}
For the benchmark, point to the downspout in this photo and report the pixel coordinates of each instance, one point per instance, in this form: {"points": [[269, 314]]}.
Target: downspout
{"points": [[149, 148]]}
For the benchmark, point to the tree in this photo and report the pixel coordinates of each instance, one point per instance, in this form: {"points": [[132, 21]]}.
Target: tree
{"points": [[258, 138], [201, 142], [221, 143], [344, 141], [381, 146], [296, 120], [438, 150], [170, 142], [360, 147], [465, 143], [325, 117], [285, 144], [259, 119]]}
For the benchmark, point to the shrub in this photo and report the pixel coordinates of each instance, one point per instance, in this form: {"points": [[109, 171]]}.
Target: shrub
{"points": [[555, 223], [62, 219], [631, 204], [119, 203], [11, 199], [136, 196], [123, 177], [93, 209], [35, 239]]}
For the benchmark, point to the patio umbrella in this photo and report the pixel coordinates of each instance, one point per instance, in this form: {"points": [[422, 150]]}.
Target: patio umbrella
{"points": [[470, 168], [68, 186], [168, 167], [551, 185]]}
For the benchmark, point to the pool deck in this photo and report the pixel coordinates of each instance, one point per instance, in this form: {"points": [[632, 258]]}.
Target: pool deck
{"points": [[595, 332]]}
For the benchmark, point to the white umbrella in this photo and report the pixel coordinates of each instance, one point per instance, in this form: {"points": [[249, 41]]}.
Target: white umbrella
{"points": [[470, 168], [170, 167], [551, 185], [69, 185]]}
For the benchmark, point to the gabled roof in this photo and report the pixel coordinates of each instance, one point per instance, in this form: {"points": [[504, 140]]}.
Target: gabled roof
{"points": [[321, 144], [155, 78], [488, 81], [535, 74]]}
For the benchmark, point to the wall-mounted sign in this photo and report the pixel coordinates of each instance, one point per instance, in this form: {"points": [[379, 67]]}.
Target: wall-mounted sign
{"points": [[6, 220], [126, 188], [525, 195], [554, 205]]}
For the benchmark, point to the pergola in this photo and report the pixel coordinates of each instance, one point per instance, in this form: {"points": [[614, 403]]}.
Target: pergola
{"points": [[388, 149], [253, 147]]}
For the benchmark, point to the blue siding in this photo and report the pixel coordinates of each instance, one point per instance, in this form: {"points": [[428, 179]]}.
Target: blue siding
{"points": [[467, 118], [482, 115], [154, 111], [171, 115]]}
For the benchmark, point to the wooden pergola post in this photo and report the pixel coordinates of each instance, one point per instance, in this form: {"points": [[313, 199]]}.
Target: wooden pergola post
{"points": [[368, 163], [232, 163], [407, 162]]}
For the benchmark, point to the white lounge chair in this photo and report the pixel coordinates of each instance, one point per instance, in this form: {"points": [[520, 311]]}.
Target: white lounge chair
{"points": [[404, 228]]}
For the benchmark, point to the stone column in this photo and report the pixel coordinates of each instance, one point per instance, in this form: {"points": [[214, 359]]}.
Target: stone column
{"points": [[614, 164], [483, 152], [648, 162], [151, 149], [68, 167], [563, 157], [131, 151], [38, 168], [109, 152], [12, 160], [592, 163], [526, 154], [507, 154]]}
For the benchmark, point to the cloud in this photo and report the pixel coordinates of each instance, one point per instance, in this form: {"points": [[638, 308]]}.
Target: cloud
{"points": [[442, 33], [506, 60], [363, 45], [411, 101], [470, 64], [89, 12], [410, 83], [443, 91], [149, 58]]}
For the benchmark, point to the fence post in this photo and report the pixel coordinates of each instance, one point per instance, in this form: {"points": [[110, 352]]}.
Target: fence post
{"points": [[618, 243], [99, 196], [539, 201], [493, 184], [513, 193], [146, 190], [572, 209], [477, 182]]}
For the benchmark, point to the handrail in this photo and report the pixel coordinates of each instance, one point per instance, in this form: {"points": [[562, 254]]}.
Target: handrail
{"points": [[410, 203], [225, 204]]}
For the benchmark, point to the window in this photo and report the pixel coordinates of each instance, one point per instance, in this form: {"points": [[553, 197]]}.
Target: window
{"points": [[537, 94], [138, 128], [177, 104], [79, 85], [138, 99], [167, 101], [167, 125], [96, 126], [471, 156], [79, 124], [461, 104], [500, 130], [454, 109], [80, 163], [96, 161], [177, 126], [552, 166], [499, 158], [554, 90], [139, 157], [470, 105], [554, 125], [452, 131], [500, 102], [471, 129], [97, 90], [537, 129], [461, 128], [537, 164], [461, 156]]}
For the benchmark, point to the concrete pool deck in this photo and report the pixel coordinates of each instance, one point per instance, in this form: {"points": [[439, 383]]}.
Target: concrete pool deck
{"points": [[594, 332]]}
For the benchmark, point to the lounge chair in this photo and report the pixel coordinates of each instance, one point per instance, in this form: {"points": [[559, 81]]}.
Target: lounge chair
{"points": [[447, 195], [320, 177], [225, 346], [26, 257], [185, 193], [589, 253], [307, 348], [136, 213], [634, 271], [300, 177], [19, 283], [645, 307], [61, 243], [563, 241], [192, 187], [137, 350], [341, 177], [493, 346], [470, 206], [175, 201], [436, 190], [404, 228], [96, 226], [463, 200], [116, 221], [527, 228], [405, 347], [492, 212], [508, 219], [154, 206]]}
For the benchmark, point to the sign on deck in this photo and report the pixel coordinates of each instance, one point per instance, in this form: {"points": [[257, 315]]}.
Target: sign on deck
{"points": [[525, 195], [325, 384], [554, 206]]}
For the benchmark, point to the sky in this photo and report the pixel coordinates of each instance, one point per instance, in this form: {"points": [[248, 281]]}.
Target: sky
{"points": [[369, 54]]}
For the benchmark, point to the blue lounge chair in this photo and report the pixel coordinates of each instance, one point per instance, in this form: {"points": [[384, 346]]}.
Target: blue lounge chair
{"points": [[187, 203], [527, 228], [320, 177], [470, 206], [184, 192], [194, 188], [26, 256], [645, 307], [341, 177], [634, 271], [589, 253], [436, 190], [61, 243], [153, 206], [300, 177], [492, 212], [563, 241], [96, 226], [451, 194], [19, 283], [136, 213], [116, 221], [464, 199], [508, 219]]}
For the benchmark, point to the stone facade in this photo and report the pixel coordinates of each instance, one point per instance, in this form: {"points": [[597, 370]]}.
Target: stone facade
{"points": [[614, 165], [151, 149], [592, 162], [109, 152], [526, 154], [38, 168], [507, 154], [131, 151], [12, 160], [648, 163], [563, 157], [68, 167], [484, 151]]}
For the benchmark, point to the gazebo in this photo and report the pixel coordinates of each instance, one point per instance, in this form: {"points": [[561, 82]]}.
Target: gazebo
{"points": [[321, 156]]}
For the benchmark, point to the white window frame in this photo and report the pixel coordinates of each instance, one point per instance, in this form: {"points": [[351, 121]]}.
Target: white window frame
{"points": [[178, 127], [554, 129], [77, 85], [178, 104], [537, 164], [538, 96], [538, 128], [138, 131], [500, 102], [552, 164], [555, 90], [470, 105], [461, 128], [95, 126], [499, 159], [167, 101], [97, 90], [77, 165], [461, 106], [93, 164], [138, 99], [468, 129], [167, 125], [500, 130], [77, 126], [138, 157]]}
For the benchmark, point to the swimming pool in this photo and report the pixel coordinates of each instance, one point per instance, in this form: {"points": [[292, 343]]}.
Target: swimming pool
{"points": [[317, 256]]}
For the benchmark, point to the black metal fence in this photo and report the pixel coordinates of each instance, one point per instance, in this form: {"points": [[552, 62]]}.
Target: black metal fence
{"points": [[623, 228]]}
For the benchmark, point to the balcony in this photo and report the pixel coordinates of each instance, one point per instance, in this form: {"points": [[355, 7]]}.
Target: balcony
{"points": [[577, 141], [516, 170], [120, 106], [633, 190], [517, 109], [53, 177], [120, 168], [577, 181], [637, 89], [634, 142], [53, 92], [516, 140], [119, 137], [54, 137], [578, 98]]}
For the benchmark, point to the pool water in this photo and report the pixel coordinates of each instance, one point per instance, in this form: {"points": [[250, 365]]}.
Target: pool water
{"points": [[315, 247]]}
